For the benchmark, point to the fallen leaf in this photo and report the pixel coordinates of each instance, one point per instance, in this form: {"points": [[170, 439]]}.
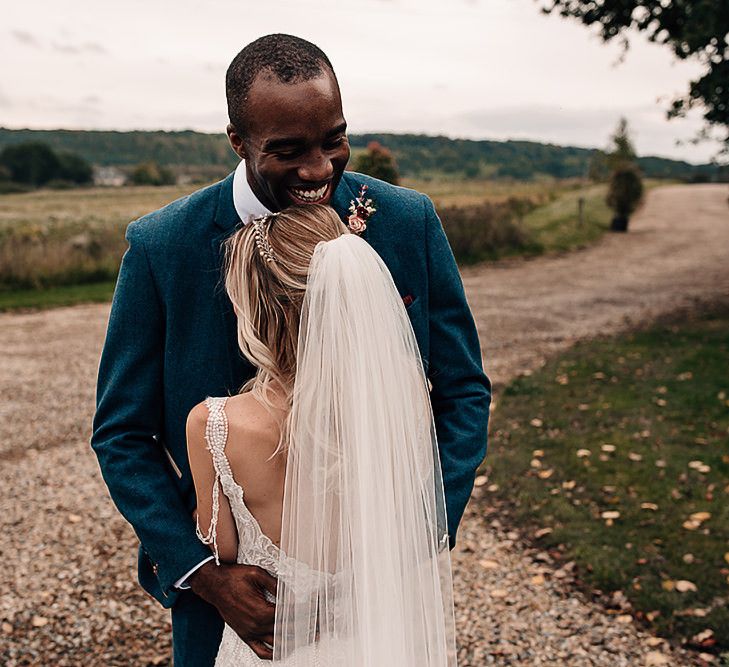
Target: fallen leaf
{"points": [[538, 452], [538, 579], [583, 406], [688, 558], [569, 484], [74, 518], [488, 564], [545, 474], [480, 480], [684, 586], [703, 636], [610, 514], [542, 532], [668, 585], [660, 463], [700, 516], [583, 452], [607, 448], [536, 422], [39, 621], [7, 628], [726, 556], [624, 618], [499, 593], [648, 506], [535, 463], [656, 659], [633, 456]]}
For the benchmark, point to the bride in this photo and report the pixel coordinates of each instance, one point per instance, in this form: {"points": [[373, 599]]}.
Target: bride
{"points": [[324, 469]]}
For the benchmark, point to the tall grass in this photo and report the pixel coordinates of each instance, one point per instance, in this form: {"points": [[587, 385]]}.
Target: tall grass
{"points": [[56, 238]]}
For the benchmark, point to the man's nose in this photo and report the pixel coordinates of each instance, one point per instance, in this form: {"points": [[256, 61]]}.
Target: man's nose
{"points": [[317, 168]]}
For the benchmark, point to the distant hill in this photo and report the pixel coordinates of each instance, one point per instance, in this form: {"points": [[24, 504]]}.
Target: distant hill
{"points": [[417, 155]]}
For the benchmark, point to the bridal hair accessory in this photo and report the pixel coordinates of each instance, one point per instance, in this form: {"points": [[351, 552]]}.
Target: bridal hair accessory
{"points": [[361, 209], [261, 235]]}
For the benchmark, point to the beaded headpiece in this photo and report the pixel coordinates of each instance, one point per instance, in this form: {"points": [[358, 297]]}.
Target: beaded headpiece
{"points": [[260, 234]]}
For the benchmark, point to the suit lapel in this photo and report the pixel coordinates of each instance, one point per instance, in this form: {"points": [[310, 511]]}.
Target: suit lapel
{"points": [[226, 221]]}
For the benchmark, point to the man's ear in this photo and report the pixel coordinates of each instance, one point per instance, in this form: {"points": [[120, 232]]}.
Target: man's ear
{"points": [[236, 141]]}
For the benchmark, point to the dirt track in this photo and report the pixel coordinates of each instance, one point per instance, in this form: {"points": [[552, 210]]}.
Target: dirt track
{"points": [[70, 595]]}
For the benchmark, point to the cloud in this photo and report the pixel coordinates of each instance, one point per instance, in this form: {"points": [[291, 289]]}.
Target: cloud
{"points": [[71, 49], [25, 38]]}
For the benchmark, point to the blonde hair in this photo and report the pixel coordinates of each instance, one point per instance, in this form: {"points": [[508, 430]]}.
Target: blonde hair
{"points": [[267, 295]]}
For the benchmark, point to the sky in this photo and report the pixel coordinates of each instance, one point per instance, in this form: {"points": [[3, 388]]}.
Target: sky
{"points": [[478, 69]]}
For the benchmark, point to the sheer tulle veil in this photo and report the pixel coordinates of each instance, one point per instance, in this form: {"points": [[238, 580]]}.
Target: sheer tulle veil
{"points": [[364, 520]]}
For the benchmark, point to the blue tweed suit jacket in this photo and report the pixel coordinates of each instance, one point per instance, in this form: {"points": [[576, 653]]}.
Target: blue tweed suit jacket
{"points": [[171, 341]]}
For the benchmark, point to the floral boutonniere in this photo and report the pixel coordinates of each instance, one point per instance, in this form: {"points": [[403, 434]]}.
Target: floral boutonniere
{"points": [[360, 209]]}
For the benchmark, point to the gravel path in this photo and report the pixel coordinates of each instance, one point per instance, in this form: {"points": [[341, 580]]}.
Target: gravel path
{"points": [[70, 596]]}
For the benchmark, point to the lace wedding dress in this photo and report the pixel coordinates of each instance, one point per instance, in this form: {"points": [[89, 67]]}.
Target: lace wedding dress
{"points": [[254, 547]]}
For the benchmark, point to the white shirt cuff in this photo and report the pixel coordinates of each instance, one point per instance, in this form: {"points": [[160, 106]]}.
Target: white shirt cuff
{"points": [[180, 583]]}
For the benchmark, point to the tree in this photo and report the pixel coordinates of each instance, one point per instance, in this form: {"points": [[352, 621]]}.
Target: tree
{"points": [[32, 163], [690, 28], [74, 168], [151, 173], [378, 162], [624, 195], [622, 151]]}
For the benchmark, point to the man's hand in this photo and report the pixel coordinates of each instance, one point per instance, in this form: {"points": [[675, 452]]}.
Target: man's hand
{"points": [[237, 592]]}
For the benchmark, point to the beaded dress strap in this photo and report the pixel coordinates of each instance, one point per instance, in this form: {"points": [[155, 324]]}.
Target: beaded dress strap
{"points": [[216, 437]]}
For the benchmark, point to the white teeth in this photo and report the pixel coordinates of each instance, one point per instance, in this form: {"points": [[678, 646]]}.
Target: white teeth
{"points": [[310, 195]]}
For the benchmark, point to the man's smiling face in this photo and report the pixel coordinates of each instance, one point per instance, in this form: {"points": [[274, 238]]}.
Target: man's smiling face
{"points": [[295, 140]]}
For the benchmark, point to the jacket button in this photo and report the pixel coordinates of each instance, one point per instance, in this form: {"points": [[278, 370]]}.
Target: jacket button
{"points": [[155, 569]]}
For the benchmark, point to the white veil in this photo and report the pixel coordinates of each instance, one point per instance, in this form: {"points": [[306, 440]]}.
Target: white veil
{"points": [[364, 578]]}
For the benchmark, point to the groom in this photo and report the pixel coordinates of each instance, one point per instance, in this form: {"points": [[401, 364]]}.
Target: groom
{"points": [[171, 339]]}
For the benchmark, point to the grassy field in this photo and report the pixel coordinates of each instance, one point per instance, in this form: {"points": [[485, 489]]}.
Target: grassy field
{"points": [[53, 239], [616, 454]]}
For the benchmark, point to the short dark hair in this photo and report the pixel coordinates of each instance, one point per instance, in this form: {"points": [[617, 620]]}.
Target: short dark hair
{"points": [[291, 59]]}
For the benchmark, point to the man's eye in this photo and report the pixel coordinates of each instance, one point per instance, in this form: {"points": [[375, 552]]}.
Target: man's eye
{"points": [[287, 155], [333, 143]]}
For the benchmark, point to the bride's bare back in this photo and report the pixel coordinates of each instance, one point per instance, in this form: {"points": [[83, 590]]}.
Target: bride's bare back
{"points": [[253, 434]]}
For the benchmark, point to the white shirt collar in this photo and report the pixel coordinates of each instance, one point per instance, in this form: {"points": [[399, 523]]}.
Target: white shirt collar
{"points": [[245, 201]]}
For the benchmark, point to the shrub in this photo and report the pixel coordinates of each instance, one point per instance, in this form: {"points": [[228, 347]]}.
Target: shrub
{"points": [[487, 231], [151, 173], [624, 194]]}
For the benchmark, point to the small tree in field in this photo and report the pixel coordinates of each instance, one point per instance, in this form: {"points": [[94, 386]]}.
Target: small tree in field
{"points": [[626, 185], [622, 151], [151, 173], [624, 195], [378, 162]]}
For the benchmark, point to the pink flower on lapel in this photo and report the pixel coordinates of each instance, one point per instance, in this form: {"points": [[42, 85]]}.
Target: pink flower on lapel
{"points": [[360, 210]]}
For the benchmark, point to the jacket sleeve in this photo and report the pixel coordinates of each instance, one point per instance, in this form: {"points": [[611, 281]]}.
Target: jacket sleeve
{"points": [[461, 391], [129, 419]]}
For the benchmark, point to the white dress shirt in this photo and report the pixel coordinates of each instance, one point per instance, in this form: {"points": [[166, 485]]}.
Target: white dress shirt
{"points": [[246, 205]]}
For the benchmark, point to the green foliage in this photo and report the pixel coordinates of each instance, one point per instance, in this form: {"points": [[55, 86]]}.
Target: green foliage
{"points": [[695, 29], [151, 173], [32, 163], [417, 155], [53, 297], [36, 164], [623, 151], [75, 169], [378, 162], [636, 425], [626, 190]]}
